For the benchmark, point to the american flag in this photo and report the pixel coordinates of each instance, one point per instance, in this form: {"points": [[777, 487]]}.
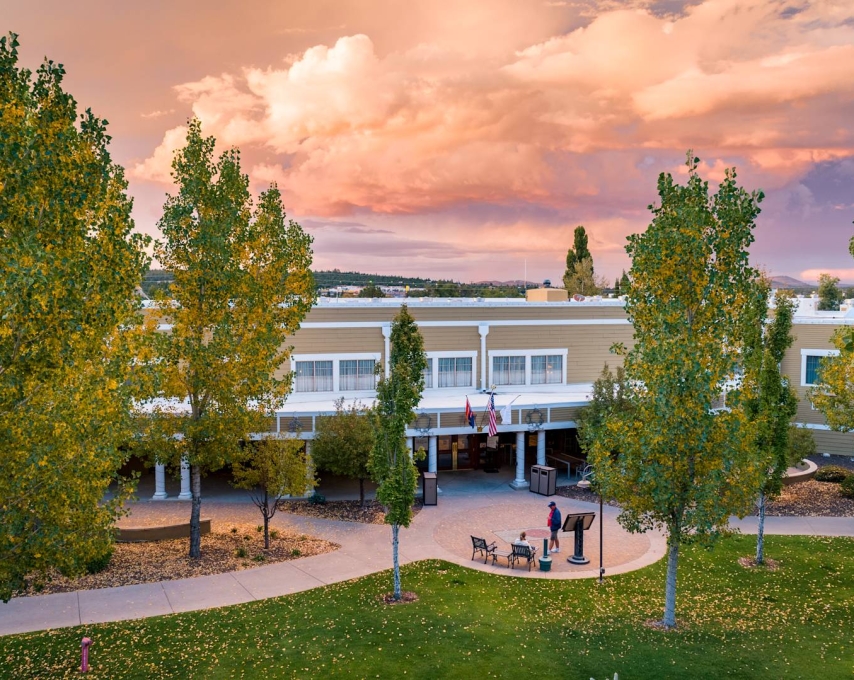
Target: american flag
{"points": [[493, 428]]}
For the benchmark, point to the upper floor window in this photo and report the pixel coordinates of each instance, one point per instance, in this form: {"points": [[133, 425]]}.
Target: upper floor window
{"points": [[314, 376], [508, 370], [455, 372], [811, 363], [546, 369], [357, 374], [428, 374]]}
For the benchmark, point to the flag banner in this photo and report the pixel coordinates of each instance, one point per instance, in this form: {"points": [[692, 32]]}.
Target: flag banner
{"points": [[506, 415], [469, 414], [492, 442], [493, 427]]}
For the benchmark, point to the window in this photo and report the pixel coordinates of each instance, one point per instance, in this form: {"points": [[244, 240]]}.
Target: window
{"points": [[357, 374], [547, 369], [508, 370], [455, 372], [314, 376], [811, 364], [812, 369], [428, 375]]}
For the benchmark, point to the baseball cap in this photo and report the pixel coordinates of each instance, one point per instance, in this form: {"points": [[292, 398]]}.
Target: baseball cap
{"points": [[552, 504]]}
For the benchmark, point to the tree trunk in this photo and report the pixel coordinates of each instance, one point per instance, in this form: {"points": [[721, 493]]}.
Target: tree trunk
{"points": [[266, 512], [760, 534], [362, 491], [196, 512], [670, 588], [395, 538]]}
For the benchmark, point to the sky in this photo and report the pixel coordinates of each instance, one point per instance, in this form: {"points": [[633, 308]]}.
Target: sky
{"points": [[467, 139]]}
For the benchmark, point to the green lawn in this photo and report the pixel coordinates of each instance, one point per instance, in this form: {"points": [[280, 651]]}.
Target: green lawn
{"points": [[796, 622]]}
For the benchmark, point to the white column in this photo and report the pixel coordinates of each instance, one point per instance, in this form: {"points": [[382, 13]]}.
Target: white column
{"points": [[387, 350], [483, 329], [410, 446], [185, 494], [541, 447], [159, 482], [521, 481], [432, 454]]}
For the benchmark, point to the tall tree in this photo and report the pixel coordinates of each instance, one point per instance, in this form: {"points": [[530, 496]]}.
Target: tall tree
{"points": [[69, 266], [392, 467], [680, 465], [768, 398], [583, 281], [343, 443], [624, 283], [242, 286], [833, 393], [271, 470], [371, 291], [829, 294], [578, 253]]}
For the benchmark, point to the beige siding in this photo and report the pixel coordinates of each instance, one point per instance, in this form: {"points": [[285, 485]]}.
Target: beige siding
{"points": [[337, 340], [563, 414], [453, 419], [806, 336], [840, 443], [421, 421], [286, 421], [467, 313], [463, 338]]}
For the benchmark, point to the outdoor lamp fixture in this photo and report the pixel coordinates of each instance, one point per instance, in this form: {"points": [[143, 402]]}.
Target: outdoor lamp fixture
{"points": [[535, 419], [423, 424]]}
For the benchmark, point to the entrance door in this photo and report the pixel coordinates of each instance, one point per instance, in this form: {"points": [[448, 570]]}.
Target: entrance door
{"points": [[456, 452]]}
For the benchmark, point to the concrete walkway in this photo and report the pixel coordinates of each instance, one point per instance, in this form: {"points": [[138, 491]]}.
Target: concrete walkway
{"points": [[437, 532]]}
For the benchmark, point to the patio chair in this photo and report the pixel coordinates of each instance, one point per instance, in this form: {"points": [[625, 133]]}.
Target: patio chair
{"points": [[522, 553], [480, 547]]}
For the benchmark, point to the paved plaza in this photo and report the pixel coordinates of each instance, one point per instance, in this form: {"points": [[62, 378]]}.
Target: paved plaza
{"points": [[470, 503]]}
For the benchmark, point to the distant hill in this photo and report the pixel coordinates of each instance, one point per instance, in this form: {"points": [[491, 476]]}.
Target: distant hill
{"points": [[335, 277], [790, 283]]}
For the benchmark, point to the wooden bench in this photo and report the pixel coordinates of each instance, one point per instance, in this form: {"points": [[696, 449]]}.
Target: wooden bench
{"points": [[479, 546]]}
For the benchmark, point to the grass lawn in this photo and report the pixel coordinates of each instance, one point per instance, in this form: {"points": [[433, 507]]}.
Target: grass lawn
{"points": [[796, 622]]}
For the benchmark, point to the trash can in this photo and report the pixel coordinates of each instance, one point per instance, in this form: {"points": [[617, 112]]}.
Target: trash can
{"points": [[429, 488], [543, 480]]}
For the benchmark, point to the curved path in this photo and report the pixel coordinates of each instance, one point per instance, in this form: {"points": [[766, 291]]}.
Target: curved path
{"points": [[441, 532]]}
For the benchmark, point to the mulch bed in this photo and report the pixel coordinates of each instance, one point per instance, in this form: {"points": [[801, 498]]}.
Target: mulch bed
{"points": [[811, 499], [750, 563], [149, 562], [585, 495], [343, 511], [406, 597]]}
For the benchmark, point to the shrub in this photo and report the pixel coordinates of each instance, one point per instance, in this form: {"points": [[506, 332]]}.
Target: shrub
{"points": [[234, 530], [274, 534], [98, 564], [259, 528], [831, 473], [241, 552], [317, 499], [259, 558], [296, 552], [847, 486]]}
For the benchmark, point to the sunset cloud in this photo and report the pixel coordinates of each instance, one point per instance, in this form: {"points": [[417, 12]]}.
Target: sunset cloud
{"points": [[488, 138]]}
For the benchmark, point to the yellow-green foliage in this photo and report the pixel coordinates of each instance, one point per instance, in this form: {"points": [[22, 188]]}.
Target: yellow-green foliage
{"points": [[68, 269], [242, 286], [678, 464]]}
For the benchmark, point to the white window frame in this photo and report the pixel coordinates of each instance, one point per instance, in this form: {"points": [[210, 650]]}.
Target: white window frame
{"points": [[452, 354], [336, 367], [515, 355], [528, 353], [813, 353]]}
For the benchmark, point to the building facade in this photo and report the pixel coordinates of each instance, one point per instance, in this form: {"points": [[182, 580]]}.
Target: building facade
{"points": [[536, 357]]}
